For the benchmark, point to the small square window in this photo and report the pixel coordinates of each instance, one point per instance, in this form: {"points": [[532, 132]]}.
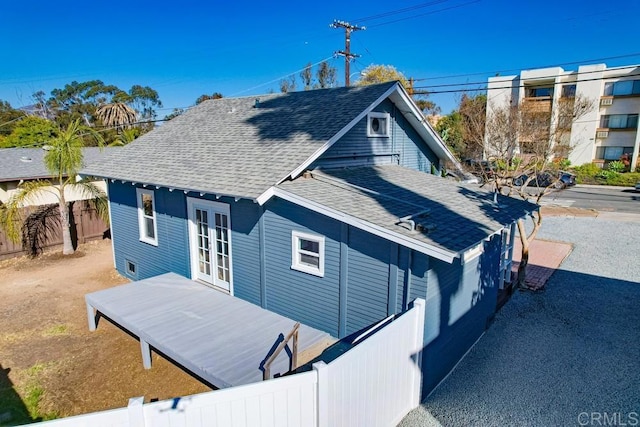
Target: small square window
{"points": [[307, 253], [147, 216], [378, 124], [131, 268]]}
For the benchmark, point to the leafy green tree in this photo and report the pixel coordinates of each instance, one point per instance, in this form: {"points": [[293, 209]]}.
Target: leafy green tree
{"points": [[63, 160], [205, 97], [9, 118], [326, 75], [450, 129], [81, 100], [31, 131], [380, 74]]}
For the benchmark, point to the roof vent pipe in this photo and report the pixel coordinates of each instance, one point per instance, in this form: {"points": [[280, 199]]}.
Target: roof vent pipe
{"points": [[257, 103]]}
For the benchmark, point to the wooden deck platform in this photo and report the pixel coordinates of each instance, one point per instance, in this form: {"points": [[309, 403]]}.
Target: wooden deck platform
{"points": [[220, 338]]}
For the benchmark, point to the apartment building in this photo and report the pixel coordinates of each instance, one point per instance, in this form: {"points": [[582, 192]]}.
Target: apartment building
{"points": [[607, 132]]}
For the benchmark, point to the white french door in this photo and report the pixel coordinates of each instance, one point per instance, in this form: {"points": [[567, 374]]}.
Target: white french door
{"points": [[210, 241]]}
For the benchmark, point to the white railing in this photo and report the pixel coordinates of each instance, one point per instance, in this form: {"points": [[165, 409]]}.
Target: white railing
{"points": [[376, 383]]}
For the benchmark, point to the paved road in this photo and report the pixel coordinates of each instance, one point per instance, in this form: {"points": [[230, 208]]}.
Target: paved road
{"points": [[600, 198]]}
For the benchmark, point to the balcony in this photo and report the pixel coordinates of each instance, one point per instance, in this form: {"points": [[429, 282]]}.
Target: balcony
{"points": [[539, 104]]}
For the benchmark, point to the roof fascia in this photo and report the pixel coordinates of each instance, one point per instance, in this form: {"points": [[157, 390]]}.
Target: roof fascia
{"points": [[425, 127]]}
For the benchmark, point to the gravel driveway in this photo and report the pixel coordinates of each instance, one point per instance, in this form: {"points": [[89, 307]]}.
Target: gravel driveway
{"points": [[567, 356]]}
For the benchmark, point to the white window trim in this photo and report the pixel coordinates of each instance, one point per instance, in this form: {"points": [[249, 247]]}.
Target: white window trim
{"points": [[141, 217], [218, 207], [296, 264], [375, 115]]}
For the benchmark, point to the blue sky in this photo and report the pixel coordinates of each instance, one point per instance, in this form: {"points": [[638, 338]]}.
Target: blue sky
{"points": [[184, 49]]}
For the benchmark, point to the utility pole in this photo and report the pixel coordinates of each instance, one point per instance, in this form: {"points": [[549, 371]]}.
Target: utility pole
{"points": [[348, 28]]}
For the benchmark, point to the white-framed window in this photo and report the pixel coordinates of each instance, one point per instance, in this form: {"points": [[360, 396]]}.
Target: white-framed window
{"points": [[378, 124], [307, 253], [147, 216]]}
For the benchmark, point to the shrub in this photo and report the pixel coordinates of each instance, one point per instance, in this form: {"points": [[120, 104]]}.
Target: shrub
{"points": [[616, 166]]}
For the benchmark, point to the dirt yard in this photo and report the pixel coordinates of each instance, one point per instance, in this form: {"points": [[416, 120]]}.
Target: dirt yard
{"points": [[50, 364]]}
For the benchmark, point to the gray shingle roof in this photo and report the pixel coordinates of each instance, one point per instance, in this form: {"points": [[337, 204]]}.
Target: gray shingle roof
{"points": [[28, 163], [462, 215], [230, 146]]}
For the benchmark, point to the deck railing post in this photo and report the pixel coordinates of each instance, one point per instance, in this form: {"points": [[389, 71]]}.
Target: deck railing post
{"points": [[294, 356]]}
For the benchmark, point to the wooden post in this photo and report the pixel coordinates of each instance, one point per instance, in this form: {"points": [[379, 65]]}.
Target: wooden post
{"points": [[146, 354], [294, 350], [91, 317], [294, 357]]}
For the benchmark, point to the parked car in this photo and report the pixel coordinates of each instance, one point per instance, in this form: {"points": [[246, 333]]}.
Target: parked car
{"points": [[545, 179], [638, 186]]}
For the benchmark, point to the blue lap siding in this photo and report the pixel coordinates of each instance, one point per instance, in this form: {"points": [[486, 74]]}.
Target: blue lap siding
{"points": [[365, 277], [403, 147]]}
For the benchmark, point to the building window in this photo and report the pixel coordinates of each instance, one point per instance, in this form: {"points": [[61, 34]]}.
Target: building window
{"points": [[131, 268], [539, 92], [612, 153], [625, 87], [378, 124], [619, 121], [307, 253], [569, 91], [147, 216]]}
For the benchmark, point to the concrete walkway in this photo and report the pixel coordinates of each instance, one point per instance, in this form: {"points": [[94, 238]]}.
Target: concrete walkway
{"points": [[545, 256]]}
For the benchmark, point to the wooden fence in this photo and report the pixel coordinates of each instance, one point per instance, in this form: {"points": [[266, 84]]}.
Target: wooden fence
{"points": [[376, 383], [88, 226]]}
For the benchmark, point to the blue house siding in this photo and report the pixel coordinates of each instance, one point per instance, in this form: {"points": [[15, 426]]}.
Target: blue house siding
{"points": [[461, 298], [245, 249], [366, 277], [172, 252], [310, 299], [404, 147], [368, 285]]}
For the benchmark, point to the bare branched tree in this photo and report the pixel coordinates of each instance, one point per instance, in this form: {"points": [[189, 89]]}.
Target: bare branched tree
{"points": [[524, 145]]}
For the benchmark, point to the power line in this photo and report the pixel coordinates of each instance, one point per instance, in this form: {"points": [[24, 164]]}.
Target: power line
{"points": [[535, 78], [399, 11], [529, 68], [424, 14], [506, 87], [280, 78]]}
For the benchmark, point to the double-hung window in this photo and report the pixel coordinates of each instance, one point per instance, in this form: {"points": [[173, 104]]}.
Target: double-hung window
{"points": [[147, 216], [307, 253]]}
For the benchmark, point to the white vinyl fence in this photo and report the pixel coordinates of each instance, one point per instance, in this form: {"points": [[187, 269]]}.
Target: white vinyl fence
{"points": [[374, 384]]}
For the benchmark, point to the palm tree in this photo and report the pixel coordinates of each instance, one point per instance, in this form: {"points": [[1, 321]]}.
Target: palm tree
{"points": [[116, 114], [63, 159]]}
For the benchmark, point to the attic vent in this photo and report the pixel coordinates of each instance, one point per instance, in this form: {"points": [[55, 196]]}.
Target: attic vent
{"points": [[418, 221], [26, 159], [257, 103]]}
